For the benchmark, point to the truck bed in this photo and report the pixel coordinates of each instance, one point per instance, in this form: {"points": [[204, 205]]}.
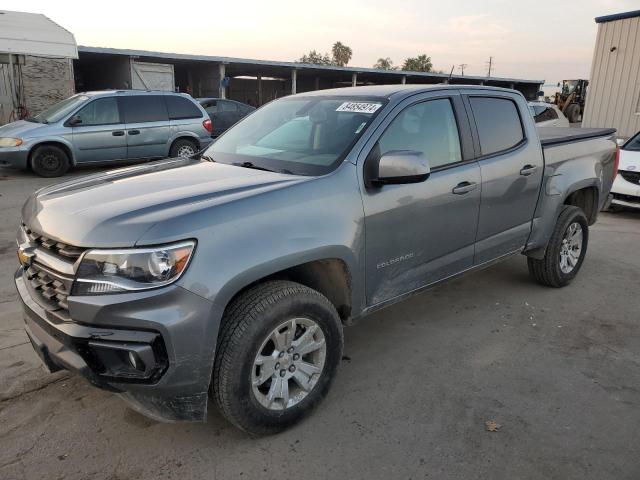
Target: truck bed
{"points": [[550, 136]]}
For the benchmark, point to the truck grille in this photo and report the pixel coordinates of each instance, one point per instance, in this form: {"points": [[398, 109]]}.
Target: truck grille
{"points": [[62, 249], [50, 287], [633, 177]]}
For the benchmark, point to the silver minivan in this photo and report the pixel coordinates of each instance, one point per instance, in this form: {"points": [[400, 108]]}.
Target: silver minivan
{"points": [[104, 127]]}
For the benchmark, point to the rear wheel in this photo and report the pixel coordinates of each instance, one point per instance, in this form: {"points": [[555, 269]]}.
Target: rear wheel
{"points": [[183, 148], [49, 161], [565, 252], [278, 351]]}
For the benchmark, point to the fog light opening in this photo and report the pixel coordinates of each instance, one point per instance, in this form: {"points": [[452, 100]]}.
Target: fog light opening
{"points": [[135, 361]]}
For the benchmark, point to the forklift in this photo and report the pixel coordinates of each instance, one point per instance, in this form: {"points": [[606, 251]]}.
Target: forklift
{"points": [[571, 98]]}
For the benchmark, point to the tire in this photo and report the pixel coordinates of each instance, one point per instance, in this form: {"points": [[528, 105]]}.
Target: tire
{"points": [[49, 161], [248, 322], [183, 148], [549, 270], [572, 113]]}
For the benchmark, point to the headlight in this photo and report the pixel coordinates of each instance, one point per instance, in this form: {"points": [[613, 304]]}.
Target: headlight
{"points": [[115, 271], [10, 142]]}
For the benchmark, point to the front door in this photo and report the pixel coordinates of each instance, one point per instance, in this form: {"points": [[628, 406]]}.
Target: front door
{"points": [[511, 166], [417, 234], [100, 134], [147, 126]]}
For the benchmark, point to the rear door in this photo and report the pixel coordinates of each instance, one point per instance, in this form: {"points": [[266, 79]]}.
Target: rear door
{"points": [[511, 166], [228, 114], [100, 136], [419, 233], [147, 125]]}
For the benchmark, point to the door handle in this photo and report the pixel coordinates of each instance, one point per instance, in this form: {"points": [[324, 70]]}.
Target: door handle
{"points": [[134, 132], [118, 133], [464, 187], [528, 170]]}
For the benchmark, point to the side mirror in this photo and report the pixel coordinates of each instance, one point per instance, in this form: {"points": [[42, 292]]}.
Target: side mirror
{"points": [[620, 141], [402, 166], [75, 120]]}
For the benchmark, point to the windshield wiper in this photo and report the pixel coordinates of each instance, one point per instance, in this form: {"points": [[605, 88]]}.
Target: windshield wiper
{"points": [[253, 166], [207, 158]]}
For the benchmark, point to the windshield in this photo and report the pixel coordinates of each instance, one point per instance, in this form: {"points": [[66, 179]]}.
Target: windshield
{"points": [[60, 110], [633, 143], [300, 135]]}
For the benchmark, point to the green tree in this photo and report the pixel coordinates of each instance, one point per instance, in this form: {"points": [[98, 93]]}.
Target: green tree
{"points": [[421, 63], [384, 64], [315, 58], [341, 54]]}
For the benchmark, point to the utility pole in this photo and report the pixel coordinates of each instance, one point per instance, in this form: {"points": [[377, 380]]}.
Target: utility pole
{"points": [[490, 63], [462, 67]]}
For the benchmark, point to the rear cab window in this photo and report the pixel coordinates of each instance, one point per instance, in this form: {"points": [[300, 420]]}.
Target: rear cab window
{"points": [[498, 123], [144, 108]]}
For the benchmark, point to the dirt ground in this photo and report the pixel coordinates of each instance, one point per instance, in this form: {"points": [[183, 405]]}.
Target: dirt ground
{"points": [[557, 370]]}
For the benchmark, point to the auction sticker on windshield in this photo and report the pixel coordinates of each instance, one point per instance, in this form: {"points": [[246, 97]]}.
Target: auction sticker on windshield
{"points": [[358, 107]]}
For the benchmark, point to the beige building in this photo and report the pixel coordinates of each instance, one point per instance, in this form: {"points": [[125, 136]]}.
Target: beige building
{"points": [[613, 96]]}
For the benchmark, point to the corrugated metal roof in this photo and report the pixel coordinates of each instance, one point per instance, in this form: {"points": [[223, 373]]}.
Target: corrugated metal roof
{"points": [[34, 34], [301, 66], [618, 16]]}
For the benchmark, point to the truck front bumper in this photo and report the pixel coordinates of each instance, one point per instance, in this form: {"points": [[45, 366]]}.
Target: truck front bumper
{"points": [[154, 348]]}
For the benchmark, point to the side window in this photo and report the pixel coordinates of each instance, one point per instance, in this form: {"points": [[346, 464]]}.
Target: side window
{"points": [[211, 108], [179, 108], [144, 108], [544, 114], [498, 123], [227, 106], [103, 111], [429, 127]]}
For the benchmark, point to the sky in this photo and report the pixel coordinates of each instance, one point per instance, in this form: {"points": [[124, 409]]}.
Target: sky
{"points": [[543, 40]]}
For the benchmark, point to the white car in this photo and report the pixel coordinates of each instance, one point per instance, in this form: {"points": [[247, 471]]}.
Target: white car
{"points": [[626, 187], [547, 115]]}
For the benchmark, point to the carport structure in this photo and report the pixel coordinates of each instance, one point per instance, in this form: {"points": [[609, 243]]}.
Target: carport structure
{"points": [[252, 81]]}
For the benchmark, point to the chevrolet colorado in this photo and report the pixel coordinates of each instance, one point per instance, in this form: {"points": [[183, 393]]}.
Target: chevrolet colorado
{"points": [[232, 273]]}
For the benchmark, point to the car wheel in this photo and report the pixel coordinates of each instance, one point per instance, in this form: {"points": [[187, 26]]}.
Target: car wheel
{"points": [[183, 148], [565, 252], [49, 161], [278, 350]]}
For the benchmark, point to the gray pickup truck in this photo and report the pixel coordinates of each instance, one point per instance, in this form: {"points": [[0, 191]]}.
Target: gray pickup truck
{"points": [[233, 273]]}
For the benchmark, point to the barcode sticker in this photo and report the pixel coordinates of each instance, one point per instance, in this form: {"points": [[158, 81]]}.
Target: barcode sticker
{"points": [[359, 107]]}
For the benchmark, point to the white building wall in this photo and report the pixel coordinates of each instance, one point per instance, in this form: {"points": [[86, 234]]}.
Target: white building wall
{"points": [[613, 95]]}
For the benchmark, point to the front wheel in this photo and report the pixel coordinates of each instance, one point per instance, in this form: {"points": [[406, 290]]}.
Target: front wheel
{"points": [[565, 252], [278, 350], [49, 161]]}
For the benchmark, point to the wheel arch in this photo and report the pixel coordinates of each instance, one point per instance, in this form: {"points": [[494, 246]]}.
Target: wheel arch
{"points": [[55, 143], [331, 276], [185, 136], [586, 198]]}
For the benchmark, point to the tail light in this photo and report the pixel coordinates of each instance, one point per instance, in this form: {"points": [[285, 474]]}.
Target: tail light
{"points": [[208, 126], [616, 163]]}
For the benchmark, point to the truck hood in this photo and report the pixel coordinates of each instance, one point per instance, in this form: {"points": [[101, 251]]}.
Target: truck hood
{"points": [[20, 129], [115, 208]]}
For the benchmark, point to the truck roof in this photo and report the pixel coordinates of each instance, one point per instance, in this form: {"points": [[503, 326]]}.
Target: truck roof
{"points": [[388, 91]]}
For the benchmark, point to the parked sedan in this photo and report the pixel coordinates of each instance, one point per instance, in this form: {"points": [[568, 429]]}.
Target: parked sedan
{"points": [[626, 188], [547, 115], [224, 113]]}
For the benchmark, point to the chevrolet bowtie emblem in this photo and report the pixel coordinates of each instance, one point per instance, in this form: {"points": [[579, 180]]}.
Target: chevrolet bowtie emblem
{"points": [[26, 254]]}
